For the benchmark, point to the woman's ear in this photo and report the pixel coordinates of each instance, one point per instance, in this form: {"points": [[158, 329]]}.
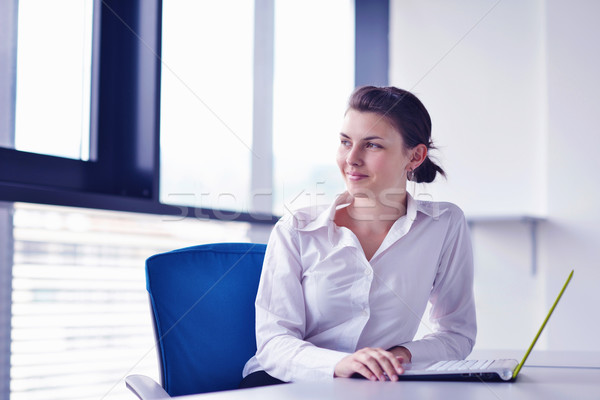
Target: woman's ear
{"points": [[418, 155]]}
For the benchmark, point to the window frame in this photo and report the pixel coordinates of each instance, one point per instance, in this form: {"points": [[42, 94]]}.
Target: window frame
{"points": [[124, 175]]}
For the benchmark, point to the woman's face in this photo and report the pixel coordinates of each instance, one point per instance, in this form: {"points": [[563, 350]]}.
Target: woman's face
{"points": [[372, 156]]}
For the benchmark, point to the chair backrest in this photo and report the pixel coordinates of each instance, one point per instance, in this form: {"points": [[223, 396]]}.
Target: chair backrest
{"points": [[202, 300]]}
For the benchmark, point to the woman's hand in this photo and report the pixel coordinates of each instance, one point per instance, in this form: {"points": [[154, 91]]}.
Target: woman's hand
{"points": [[401, 352], [370, 363]]}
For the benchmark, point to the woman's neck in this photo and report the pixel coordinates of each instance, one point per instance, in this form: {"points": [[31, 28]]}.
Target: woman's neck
{"points": [[378, 211]]}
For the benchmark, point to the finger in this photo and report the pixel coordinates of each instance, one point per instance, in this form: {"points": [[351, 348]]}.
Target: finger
{"points": [[372, 362], [389, 364], [364, 371], [400, 366], [384, 362], [397, 363]]}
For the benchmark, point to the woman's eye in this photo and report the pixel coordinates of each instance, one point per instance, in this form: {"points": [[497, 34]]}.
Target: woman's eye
{"points": [[345, 143], [371, 145]]}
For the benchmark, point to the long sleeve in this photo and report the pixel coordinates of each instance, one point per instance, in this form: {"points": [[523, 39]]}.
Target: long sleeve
{"points": [[280, 315], [452, 315]]}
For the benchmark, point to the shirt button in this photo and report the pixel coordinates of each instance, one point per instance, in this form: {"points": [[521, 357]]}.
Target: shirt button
{"points": [[367, 271], [365, 313]]}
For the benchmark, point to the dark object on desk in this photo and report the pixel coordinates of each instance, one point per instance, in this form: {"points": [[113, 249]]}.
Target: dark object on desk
{"points": [[479, 377], [259, 378]]}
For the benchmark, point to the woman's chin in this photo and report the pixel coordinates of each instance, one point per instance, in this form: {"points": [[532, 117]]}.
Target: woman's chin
{"points": [[358, 192]]}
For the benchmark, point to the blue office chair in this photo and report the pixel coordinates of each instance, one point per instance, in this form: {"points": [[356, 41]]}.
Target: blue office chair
{"points": [[202, 300]]}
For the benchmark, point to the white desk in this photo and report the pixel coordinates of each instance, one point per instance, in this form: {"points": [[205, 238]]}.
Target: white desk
{"points": [[534, 382]]}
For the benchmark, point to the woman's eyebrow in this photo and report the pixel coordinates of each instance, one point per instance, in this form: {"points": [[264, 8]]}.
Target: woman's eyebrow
{"points": [[372, 138], [365, 139]]}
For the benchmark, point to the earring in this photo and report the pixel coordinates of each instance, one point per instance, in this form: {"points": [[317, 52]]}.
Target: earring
{"points": [[410, 175]]}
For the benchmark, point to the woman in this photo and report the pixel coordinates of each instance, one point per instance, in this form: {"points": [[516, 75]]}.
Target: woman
{"points": [[343, 290]]}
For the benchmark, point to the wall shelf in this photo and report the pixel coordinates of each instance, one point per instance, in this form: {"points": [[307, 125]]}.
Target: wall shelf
{"points": [[531, 221]]}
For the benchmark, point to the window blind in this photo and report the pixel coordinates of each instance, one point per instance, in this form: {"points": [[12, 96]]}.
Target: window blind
{"points": [[80, 315]]}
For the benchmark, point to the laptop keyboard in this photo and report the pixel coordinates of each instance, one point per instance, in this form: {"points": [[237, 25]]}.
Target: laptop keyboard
{"points": [[459, 365]]}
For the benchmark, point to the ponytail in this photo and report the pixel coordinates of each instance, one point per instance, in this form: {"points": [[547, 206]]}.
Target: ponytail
{"points": [[426, 172]]}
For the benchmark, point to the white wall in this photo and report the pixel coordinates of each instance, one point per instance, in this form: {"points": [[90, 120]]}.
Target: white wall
{"points": [[479, 69], [513, 94], [571, 239]]}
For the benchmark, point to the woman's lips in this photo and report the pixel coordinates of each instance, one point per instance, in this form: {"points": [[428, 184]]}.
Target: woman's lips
{"points": [[355, 176]]}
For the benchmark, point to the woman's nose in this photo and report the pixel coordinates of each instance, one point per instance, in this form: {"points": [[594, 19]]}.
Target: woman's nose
{"points": [[354, 157]]}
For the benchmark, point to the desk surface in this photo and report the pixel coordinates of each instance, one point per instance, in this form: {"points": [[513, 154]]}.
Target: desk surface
{"points": [[564, 376], [533, 383]]}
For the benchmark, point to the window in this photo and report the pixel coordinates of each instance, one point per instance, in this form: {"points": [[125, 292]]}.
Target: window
{"points": [[206, 103], [314, 76], [108, 97], [116, 158], [208, 154], [53, 76]]}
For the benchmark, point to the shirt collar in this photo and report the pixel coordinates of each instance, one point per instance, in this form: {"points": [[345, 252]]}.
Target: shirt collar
{"points": [[326, 217]]}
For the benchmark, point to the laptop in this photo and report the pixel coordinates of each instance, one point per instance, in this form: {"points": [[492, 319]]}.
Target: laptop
{"points": [[476, 370]]}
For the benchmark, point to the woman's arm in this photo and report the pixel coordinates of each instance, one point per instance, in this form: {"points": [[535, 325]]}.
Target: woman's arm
{"points": [[452, 315], [281, 318]]}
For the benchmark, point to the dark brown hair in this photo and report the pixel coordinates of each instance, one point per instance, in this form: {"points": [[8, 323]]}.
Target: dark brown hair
{"points": [[407, 114]]}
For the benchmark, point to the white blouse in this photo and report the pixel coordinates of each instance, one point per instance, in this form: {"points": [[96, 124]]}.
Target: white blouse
{"points": [[320, 299]]}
